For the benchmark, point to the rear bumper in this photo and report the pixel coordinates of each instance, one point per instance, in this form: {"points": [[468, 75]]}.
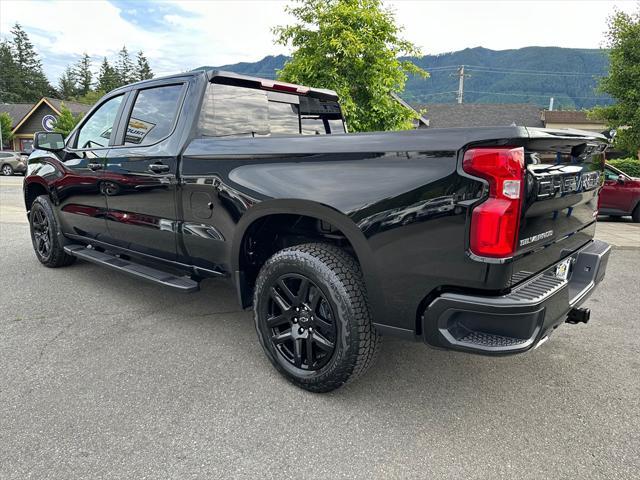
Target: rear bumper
{"points": [[518, 321]]}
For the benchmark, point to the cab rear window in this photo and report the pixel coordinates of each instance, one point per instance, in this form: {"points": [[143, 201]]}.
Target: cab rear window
{"points": [[230, 110]]}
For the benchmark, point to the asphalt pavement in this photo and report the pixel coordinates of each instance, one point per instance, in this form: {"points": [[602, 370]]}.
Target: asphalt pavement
{"points": [[103, 376]]}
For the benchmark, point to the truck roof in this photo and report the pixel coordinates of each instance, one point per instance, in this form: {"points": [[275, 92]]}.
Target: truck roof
{"points": [[221, 76]]}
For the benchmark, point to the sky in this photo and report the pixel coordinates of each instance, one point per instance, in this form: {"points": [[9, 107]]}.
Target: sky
{"points": [[181, 35]]}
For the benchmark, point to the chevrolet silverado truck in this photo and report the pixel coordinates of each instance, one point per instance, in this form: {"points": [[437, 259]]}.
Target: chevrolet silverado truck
{"points": [[472, 239]]}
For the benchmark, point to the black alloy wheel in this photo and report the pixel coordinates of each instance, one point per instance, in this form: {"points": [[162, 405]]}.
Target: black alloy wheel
{"points": [[303, 329], [313, 318], [41, 232], [48, 243]]}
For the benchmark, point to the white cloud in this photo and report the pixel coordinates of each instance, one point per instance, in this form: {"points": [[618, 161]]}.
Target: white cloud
{"points": [[445, 26], [219, 32]]}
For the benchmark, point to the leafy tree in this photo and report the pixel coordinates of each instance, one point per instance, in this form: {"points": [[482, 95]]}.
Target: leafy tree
{"points": [[30, 82], [67, 84], [143, 70], [66, 121], [352, 47], [107, 77], [83, 74], [124, 67], [623, 81], [6, 122]]}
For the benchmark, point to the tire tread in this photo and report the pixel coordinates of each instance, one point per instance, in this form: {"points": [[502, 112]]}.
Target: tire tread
{"points": [[58, 258], [348, 278]]}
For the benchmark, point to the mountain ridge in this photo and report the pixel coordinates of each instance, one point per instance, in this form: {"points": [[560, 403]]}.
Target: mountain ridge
{"points": [[525, 75]]}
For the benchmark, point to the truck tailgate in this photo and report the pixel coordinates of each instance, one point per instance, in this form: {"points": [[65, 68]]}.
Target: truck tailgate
{"points": [[564, 172]]}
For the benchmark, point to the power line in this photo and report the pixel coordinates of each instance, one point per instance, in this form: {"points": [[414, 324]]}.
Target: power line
{"points": [[514, 70], [533, 95], [533, 71], [431, 69], [533, 74], [438, 93]]}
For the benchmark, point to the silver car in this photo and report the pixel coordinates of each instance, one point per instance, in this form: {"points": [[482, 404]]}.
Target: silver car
{"points": [[12, 162]]}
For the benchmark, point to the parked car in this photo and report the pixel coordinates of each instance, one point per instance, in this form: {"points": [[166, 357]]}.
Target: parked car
{"points": [[12, 162], [214, 174], [620, 194]]}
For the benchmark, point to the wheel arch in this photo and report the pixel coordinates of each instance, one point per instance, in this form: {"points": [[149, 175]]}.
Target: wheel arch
{"points": [[32, 190], [271, 210]]}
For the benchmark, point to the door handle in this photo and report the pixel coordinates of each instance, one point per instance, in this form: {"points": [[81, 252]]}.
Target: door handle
{"points": [[94, 166], [159, 168]]}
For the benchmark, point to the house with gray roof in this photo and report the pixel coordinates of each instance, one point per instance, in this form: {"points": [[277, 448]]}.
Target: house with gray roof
{"points": [[451, 115], [28, 118]]}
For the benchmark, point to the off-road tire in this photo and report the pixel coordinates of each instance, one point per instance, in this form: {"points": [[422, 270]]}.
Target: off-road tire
{"points": [[338, 276], [56, 256]]}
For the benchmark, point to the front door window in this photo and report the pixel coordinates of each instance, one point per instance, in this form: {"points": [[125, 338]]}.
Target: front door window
{"points": [[96, 132]]}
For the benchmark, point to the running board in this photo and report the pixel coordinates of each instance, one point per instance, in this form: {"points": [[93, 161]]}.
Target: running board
{"points": [[183, 284]]}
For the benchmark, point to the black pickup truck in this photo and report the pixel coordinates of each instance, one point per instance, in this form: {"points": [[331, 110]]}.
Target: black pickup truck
{"points": [[472, 239]]}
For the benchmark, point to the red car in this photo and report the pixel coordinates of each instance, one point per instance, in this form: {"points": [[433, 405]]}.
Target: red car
{"points": [[620, 194]]}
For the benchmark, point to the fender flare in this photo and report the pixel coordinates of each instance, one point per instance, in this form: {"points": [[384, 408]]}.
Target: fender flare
{"points": [[34, 180], [320, 211]]}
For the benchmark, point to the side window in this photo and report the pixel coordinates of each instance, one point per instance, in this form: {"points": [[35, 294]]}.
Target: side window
{"points": [[97, 130], [610, 174], [234, 111], [153, 115]]}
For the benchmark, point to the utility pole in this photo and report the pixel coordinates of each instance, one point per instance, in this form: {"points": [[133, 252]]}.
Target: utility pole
{"points": [[461, 76]]}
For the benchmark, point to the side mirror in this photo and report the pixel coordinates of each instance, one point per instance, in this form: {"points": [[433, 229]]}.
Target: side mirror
{"points": [[621, 179], [50, 141]]}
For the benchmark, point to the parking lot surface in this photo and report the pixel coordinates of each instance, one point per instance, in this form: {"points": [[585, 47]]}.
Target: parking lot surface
{"points": [[102, 376]]}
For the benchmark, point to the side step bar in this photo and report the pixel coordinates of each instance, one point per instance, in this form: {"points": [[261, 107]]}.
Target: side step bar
{"points": [[183, 284]]}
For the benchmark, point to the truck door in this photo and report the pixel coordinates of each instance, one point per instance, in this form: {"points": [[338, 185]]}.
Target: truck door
{"points": [[83, 205], [140, 175]]}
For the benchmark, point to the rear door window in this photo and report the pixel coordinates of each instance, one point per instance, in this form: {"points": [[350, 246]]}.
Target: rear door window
{"points": [[153, 115]]}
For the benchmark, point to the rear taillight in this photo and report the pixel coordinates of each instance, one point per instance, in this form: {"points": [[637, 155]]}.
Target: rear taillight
{"points": [[495, 222]]}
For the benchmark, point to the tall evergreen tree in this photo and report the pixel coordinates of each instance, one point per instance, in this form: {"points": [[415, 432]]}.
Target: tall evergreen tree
{"points": [[124, 67], [143, 70], [8, 75], [83, 74], [31, 83], [68, 85], [107, 77]]}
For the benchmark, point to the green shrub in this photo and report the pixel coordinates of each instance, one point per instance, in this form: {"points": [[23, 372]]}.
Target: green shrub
{"points": [[630, 166]]}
